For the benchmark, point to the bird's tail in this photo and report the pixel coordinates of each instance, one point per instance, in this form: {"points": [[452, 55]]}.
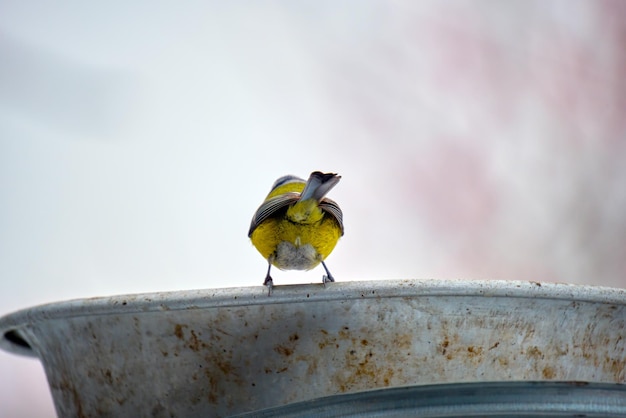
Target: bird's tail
{"points": [[318, 185]]}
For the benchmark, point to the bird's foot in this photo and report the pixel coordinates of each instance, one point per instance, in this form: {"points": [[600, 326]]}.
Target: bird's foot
{"points": [[327, 279], [270, 285]]}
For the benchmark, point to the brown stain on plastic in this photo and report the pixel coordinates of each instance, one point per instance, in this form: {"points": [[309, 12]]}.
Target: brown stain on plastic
{"points": [[443, 346], [616, 366], [288, 348], [364, 370], [178, 331], [548, 373], [474, 351], [534, 352], [194, 342], [214, 358], [369, 358], [284, 351]]}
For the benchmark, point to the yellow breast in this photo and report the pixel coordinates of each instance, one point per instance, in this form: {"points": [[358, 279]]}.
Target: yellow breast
{"points": [[298, 240]]}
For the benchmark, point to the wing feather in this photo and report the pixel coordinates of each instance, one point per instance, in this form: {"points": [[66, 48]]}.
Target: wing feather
{"points": [[271, 207], [332, 208]]}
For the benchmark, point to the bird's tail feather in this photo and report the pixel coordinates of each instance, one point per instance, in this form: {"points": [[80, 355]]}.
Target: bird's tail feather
{"points": [[318, 185]]}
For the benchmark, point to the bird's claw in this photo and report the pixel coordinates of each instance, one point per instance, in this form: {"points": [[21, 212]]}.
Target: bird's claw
{"points": [[327, 279], [270, 285]]}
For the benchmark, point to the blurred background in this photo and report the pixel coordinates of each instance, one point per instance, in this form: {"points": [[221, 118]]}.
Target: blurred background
{"points": [[476, 140]]}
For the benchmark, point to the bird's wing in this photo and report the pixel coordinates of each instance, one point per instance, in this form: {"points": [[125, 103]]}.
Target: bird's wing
{"points": [[332, 208], [271, 207]]}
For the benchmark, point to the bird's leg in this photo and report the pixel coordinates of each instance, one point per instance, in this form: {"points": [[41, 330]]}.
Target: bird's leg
{"points": [[268, 279], [327, 277]]}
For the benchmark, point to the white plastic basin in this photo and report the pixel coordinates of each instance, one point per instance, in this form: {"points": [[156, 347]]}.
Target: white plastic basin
{"points": [[218, 352]]}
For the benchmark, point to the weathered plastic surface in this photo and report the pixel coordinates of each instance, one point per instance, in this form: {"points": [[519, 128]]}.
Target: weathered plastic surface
{"points": [[218, 352], [463, 400]]}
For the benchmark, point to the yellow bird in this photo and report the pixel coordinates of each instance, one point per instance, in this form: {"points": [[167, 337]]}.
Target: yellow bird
{"points": [[296, 227]]}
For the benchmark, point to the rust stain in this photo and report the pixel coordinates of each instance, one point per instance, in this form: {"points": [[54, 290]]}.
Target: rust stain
{"points": [[213, 387], [344, 332], [222, 331], [70, 389], [194, 343], [108, 376], [548, 372], [443, 347], [327, 340], [403, 341], [562, 351], [288, 347], [225, 366], [473, 351], [312, 364], [178, 331], [363, 366], [617, 368], [534, 352], [617, 341], [285, 351]]}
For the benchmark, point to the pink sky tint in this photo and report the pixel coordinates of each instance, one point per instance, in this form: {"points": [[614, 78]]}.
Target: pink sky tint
{"points": [[499, 126], [450, 185]]}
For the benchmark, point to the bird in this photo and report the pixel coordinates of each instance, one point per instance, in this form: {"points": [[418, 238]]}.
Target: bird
{"points": [[297, 227]]}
